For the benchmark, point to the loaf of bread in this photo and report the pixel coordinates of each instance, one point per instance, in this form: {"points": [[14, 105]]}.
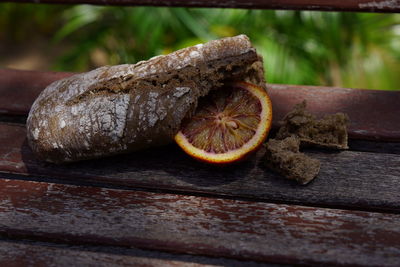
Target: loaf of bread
{"points": [[124, 108]]}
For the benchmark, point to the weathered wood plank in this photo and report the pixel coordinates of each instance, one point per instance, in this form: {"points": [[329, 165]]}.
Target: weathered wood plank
{"points": [[331, 5], [14, 253], [374, 146], [373, 114], [347, 179], [18, 119], [20, 88], [198, 225]]}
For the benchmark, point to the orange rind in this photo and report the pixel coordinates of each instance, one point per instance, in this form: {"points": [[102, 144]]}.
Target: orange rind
{"points": [[228, 125]]}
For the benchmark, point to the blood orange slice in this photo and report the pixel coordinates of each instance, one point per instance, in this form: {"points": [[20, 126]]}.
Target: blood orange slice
{"points": [[229, 123]]}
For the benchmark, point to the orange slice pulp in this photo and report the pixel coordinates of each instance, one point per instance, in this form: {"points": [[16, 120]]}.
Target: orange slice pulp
{"points": [[229, 124]]}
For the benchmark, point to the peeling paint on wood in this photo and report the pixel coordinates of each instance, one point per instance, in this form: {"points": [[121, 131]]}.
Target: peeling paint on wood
{"points": [[347, 179], [198, 225], [387, 4]]}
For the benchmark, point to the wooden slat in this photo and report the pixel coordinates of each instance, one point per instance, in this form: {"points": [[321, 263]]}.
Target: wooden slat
{"points": [[373, 114], [19, 254], [198, 225], [327, 5], [347, 179], [18, 89], [13, 253], [374, 146]]}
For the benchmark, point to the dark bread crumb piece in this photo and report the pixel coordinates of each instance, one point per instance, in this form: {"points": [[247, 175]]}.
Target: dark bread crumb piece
{"points": [[329, 132], [284, 157]]}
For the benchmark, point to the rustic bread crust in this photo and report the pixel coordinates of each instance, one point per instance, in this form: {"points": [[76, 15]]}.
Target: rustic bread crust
{"points": [[119, 109]]}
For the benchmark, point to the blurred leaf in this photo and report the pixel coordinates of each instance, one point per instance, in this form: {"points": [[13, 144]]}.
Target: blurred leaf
{"points": [[197, 26], [77, 18]]}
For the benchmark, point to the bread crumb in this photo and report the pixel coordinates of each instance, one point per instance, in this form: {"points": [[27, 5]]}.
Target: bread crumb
{"points": [[300, 127], [329, 132], [284, 157]]}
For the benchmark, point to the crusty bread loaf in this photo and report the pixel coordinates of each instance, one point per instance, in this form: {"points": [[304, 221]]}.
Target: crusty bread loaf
{"points": [[118, 109]]}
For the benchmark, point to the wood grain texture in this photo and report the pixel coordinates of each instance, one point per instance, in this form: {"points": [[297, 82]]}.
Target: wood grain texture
{"points": [[358, 180], [374, 146], [14, 253], [373, 114], [331, 5], [18, 90], [8, 118], [198, 225]]}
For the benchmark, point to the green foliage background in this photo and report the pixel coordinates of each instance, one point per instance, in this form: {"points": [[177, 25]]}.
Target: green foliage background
{"points": [[356, 50]]}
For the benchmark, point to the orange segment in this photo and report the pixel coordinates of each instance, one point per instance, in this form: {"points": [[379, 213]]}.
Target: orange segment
{"points": [[229, 123]]}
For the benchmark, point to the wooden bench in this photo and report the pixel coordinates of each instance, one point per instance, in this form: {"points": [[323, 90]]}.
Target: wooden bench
{"points": [[162, 208]]}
